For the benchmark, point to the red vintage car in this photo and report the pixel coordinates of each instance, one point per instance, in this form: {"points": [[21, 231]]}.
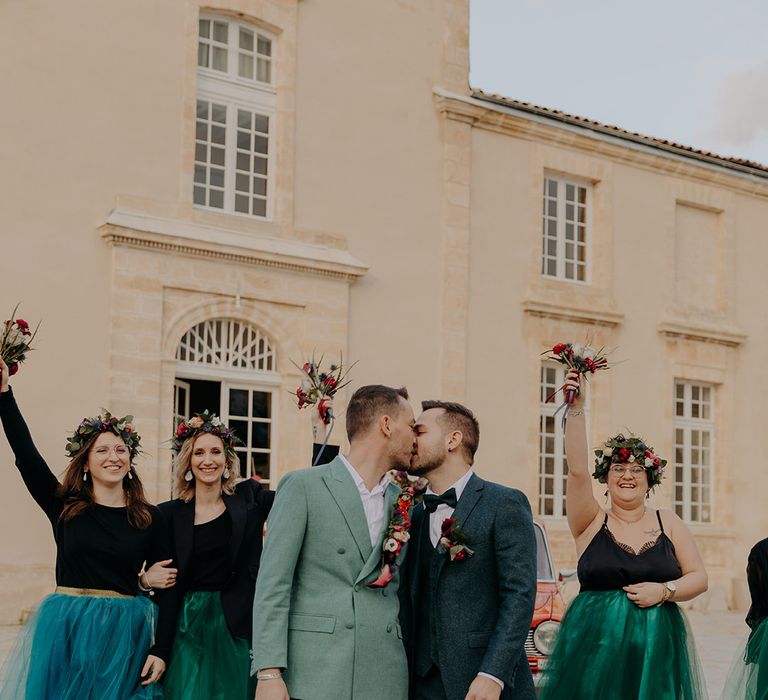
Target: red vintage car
{"points": [[550, 606]]}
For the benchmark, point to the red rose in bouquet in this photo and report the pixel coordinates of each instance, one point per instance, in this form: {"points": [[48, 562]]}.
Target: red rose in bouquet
{"points": [[318, 387], [16, 342], [575, 356]]}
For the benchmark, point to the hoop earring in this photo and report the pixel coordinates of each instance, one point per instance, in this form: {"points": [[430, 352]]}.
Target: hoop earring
{"points": [[188, 476]]}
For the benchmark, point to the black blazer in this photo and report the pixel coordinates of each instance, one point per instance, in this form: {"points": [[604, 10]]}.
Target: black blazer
{"points": [[248, 508], [481, 606]]}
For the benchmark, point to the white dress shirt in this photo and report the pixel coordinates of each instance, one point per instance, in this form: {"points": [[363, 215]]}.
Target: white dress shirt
{"points": [[442, 512], [373, 501]]}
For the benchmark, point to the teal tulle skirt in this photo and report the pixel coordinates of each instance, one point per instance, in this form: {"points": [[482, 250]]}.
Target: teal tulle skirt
{"points": [[748, 678], [207, 663], [77, 647], [609, 648]]}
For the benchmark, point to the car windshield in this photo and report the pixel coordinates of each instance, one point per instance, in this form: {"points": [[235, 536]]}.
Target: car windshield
{"points": [[543, 564]]}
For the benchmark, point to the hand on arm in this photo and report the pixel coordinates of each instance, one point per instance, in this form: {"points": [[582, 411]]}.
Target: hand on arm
{"points": [[580, 501], [159, 575], [692, 583]]}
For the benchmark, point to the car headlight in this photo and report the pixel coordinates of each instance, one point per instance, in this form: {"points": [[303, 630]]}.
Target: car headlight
{"points": [[544, 636]]}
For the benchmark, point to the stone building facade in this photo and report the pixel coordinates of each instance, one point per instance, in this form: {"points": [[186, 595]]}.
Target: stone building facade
{"points": [[197, 194]]}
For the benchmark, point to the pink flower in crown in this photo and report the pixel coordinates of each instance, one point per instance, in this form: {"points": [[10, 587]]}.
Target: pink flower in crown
{"points": [[195, 422]]}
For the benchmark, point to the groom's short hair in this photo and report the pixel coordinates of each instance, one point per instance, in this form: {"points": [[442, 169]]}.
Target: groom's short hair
{"points": [[369, 403], [458, 417]]}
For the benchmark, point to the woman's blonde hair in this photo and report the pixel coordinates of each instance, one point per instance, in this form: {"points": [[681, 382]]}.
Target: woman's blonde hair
{"points": [[185, 490]]}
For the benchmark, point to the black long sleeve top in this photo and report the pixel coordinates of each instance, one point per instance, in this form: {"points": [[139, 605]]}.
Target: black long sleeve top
{"points": [[98, 548]]}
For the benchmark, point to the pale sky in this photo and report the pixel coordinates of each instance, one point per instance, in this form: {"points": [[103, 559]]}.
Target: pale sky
{"points": [[691, 71]]}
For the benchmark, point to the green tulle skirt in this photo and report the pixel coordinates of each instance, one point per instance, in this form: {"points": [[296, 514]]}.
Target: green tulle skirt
{"points": [[207, 663], [748, 678], [609, 648]]}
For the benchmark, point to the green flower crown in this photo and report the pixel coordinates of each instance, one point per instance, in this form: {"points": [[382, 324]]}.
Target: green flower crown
{"points": [[205, 422], [90, 428], [623, 450]]}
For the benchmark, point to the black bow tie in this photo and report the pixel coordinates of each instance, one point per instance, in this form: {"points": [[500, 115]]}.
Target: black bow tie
{"points": [[431, 501]]}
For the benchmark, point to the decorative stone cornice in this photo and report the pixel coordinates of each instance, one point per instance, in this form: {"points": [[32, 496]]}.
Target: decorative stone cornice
{"points": [[598, 317], [703, 334], [172, 236], [547, 129]]}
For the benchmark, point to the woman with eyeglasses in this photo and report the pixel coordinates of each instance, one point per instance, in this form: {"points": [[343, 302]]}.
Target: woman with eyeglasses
{"points": [[624, 635], [95, 636]]}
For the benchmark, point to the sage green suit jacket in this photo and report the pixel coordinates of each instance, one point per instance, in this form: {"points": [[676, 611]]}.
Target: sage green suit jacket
{"points": [[313, 614]]}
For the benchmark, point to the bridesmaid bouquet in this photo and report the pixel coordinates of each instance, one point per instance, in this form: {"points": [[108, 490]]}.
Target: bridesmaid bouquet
{"points": [[584, 359], [16, 341], [319, 386]]}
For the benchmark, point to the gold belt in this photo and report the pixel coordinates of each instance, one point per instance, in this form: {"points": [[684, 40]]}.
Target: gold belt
{"points": [[94, 592]]}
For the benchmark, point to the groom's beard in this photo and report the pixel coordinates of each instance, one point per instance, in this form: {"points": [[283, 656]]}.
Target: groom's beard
{"points": [[424, 466]]}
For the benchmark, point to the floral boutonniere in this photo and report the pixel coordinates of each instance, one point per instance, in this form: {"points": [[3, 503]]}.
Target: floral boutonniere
{"points": [[453, 541], [412, 488]]}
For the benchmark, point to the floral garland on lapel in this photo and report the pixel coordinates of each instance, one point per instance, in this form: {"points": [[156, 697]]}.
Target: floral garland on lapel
{"points": [[412, 488]]}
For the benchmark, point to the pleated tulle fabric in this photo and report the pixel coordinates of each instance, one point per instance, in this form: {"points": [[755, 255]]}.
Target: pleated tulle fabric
{"points": [[207, 663], [748, 677], [609, 648], [78, 647]]}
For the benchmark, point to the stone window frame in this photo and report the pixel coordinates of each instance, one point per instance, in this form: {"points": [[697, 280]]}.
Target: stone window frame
{"points": [[554, 229], [694, 422], [230, 186]]}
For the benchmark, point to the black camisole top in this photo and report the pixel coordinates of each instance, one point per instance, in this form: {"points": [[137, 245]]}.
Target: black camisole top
{"points": [[608, 565]]}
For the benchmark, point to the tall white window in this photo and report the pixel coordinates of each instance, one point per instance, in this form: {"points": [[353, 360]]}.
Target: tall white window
{"points": [[694, 450], [553, 468], [235, 118], [565, 234]]}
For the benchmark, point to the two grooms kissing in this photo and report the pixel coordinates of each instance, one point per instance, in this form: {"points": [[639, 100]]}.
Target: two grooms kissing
{"points": [[362, 595]]}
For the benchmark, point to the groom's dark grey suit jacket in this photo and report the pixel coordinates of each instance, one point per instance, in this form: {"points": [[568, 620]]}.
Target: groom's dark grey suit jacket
{"points": [[481, 606]]}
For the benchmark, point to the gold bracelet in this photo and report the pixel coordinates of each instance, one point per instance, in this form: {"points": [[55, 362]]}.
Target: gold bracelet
{"points": [[576, 413]]}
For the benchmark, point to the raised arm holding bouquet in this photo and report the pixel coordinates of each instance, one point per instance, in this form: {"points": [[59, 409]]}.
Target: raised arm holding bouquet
{"points": [[317, 389], [94, 637], [624, 635], [583, 359]]}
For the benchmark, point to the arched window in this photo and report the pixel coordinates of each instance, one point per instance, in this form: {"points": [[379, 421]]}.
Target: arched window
{"points": [[227, 344], [229, 367], [235, 117]]}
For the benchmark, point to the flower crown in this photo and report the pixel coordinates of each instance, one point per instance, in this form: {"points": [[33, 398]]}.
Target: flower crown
{"points": [[623, 450], [90, 428], [205, 422]]}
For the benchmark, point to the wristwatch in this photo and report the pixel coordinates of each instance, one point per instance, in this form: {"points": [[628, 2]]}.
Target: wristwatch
{"points": [[672, 588]]}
